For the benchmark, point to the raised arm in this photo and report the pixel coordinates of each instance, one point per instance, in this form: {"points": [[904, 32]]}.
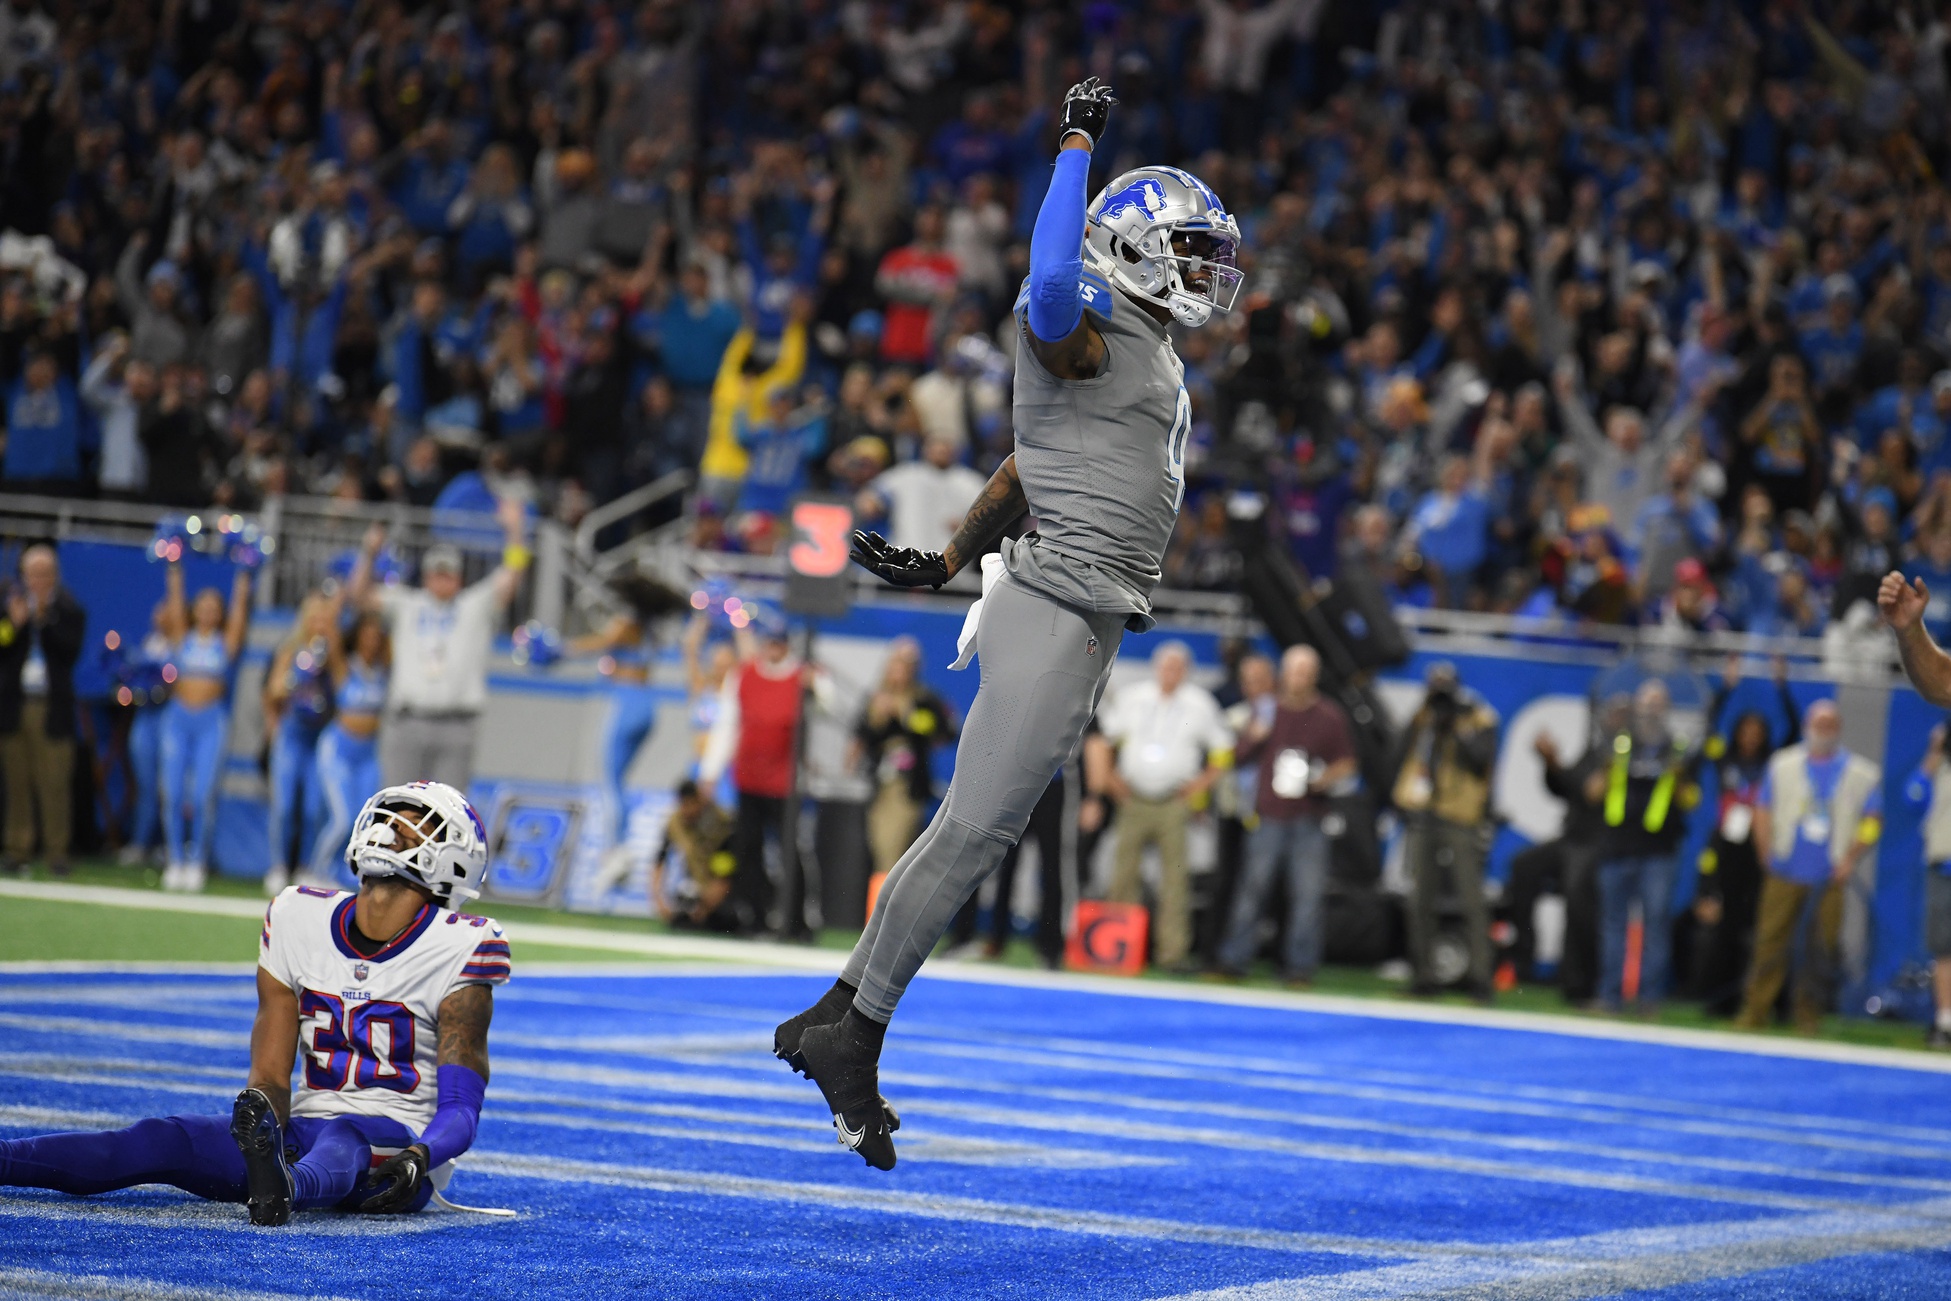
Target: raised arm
{"points": [[238, 621], [620, 631], [1902, 603], [176, 606], [1060, 336], [274, 1042], [515, 554], [359, 584]]}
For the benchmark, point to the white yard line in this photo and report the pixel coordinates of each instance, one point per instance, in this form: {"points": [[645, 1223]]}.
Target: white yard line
{"points": [[32, 1284], [1606, 1264], [794, 958]]}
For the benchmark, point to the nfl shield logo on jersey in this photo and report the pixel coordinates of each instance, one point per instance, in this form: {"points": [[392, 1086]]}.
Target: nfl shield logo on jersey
{"points": [[360, 970], [1090, 646]]}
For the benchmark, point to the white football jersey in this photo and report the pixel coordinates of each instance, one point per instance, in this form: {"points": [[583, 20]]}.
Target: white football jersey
{"points": [[367, 1040]]}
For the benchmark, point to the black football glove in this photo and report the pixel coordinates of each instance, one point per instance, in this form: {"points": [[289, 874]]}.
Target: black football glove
{"points": [[397, 1179], [901, 566], [1086, 108]]}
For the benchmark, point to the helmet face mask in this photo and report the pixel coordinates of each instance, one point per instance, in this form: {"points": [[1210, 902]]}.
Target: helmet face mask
{"points": [[1162, 236], [425, 833]]}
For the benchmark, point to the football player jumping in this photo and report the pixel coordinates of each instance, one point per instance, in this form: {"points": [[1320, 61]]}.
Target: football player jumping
{"points": [[1102, 416], [383, 996]]}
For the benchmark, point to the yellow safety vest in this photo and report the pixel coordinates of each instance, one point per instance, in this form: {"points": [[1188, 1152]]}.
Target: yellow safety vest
{"points": [[1661, 802]]}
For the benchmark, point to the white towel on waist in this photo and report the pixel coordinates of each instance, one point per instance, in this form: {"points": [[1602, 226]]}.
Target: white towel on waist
{"points": [[992, 569]]}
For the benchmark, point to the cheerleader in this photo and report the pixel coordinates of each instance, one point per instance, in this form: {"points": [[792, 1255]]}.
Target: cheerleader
{"points": [[297, 706], [627, 648], [348, 750], [205, 638]]}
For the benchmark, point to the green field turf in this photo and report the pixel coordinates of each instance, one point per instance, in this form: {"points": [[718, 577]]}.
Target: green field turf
{"points": [[34, 930]]}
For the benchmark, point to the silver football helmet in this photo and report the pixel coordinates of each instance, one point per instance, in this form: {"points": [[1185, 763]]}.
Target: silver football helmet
{"points": [[427, 833], [1162, 235]]}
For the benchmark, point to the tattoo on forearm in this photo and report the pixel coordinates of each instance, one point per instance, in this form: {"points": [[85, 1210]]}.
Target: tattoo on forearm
{"points": [[1000, 504], [1926, 664], [464, 1017]]}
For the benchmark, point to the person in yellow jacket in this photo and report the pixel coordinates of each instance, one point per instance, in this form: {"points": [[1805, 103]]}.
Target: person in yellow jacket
{"points": [[1644, 793], [748, 375]]}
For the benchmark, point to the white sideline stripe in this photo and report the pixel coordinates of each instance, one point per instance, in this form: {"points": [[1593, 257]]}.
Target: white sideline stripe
{"points": [[1898, 1228], [791, 957], [1417, 1097], [993, 1152], [1332, 1152], [954, 1151], [141, 1031], [942, 1207], [1020, 1119], [1234, 1062], [194, 1213], [1607, 1264], [36, 1283]]}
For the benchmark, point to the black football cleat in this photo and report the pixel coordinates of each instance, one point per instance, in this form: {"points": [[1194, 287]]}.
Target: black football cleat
{"points": [[787, 1035], [254, 1126], [847, 1069]]}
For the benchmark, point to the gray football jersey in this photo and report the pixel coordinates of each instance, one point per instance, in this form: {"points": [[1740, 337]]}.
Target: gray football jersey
{"points": [[1102, 461]]}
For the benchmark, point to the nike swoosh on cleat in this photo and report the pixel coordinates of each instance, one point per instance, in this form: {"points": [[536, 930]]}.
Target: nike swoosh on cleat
{"points": [[850, 1138]]}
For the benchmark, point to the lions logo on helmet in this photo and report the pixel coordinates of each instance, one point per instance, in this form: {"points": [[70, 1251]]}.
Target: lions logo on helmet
{"points": [[1162, 235], [426, 832]]}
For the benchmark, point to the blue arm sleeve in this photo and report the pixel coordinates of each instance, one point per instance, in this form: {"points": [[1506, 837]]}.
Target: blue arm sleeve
{"points": [[1057, 250], [457, 1115]]}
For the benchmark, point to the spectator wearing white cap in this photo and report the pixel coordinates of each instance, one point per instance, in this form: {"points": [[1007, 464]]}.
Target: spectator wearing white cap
{"points": [[923, 501], [442, 634]]}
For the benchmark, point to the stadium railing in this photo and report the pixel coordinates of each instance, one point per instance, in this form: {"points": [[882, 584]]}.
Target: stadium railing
{"points": [[314, 537]]}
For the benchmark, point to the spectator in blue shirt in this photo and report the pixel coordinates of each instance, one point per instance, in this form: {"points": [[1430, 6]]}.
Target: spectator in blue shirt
{"points": [[784, 264], [1451, 528], [689, 332], [1834, 350], [490, 217], [789, 440], [429, 179], [45, 431], [973, 143], [1892, 406], [1673, 525]]}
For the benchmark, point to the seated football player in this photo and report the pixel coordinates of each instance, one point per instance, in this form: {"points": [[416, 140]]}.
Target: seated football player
{"points": [[384, 998]]}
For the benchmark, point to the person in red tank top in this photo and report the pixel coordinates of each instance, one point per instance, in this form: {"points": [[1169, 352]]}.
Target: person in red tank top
{"points": [[771, 685]]}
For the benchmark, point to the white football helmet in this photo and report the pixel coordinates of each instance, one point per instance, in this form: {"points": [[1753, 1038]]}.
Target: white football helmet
{"points": [[450, 856], [1162, 235]]}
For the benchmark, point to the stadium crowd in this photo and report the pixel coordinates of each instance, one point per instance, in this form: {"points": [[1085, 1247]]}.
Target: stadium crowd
{"points": [[1631, 314]]}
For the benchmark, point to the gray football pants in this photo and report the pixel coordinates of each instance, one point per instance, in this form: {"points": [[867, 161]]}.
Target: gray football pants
{"points": [[1044, 666]]}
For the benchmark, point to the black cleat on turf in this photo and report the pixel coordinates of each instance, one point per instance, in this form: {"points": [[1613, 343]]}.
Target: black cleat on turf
{"points": [[786, 1037], [254, 1126], [846, 1066]]}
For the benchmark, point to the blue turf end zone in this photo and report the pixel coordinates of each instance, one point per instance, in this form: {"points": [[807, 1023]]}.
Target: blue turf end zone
{"points": [[1057, 1142]]}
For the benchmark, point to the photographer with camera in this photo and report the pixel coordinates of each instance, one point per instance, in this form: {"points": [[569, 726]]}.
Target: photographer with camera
{"points": [[1443, 790]]}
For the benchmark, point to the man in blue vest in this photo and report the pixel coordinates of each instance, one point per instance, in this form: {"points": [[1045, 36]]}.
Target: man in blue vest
{"points": [[1820, 811]]}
